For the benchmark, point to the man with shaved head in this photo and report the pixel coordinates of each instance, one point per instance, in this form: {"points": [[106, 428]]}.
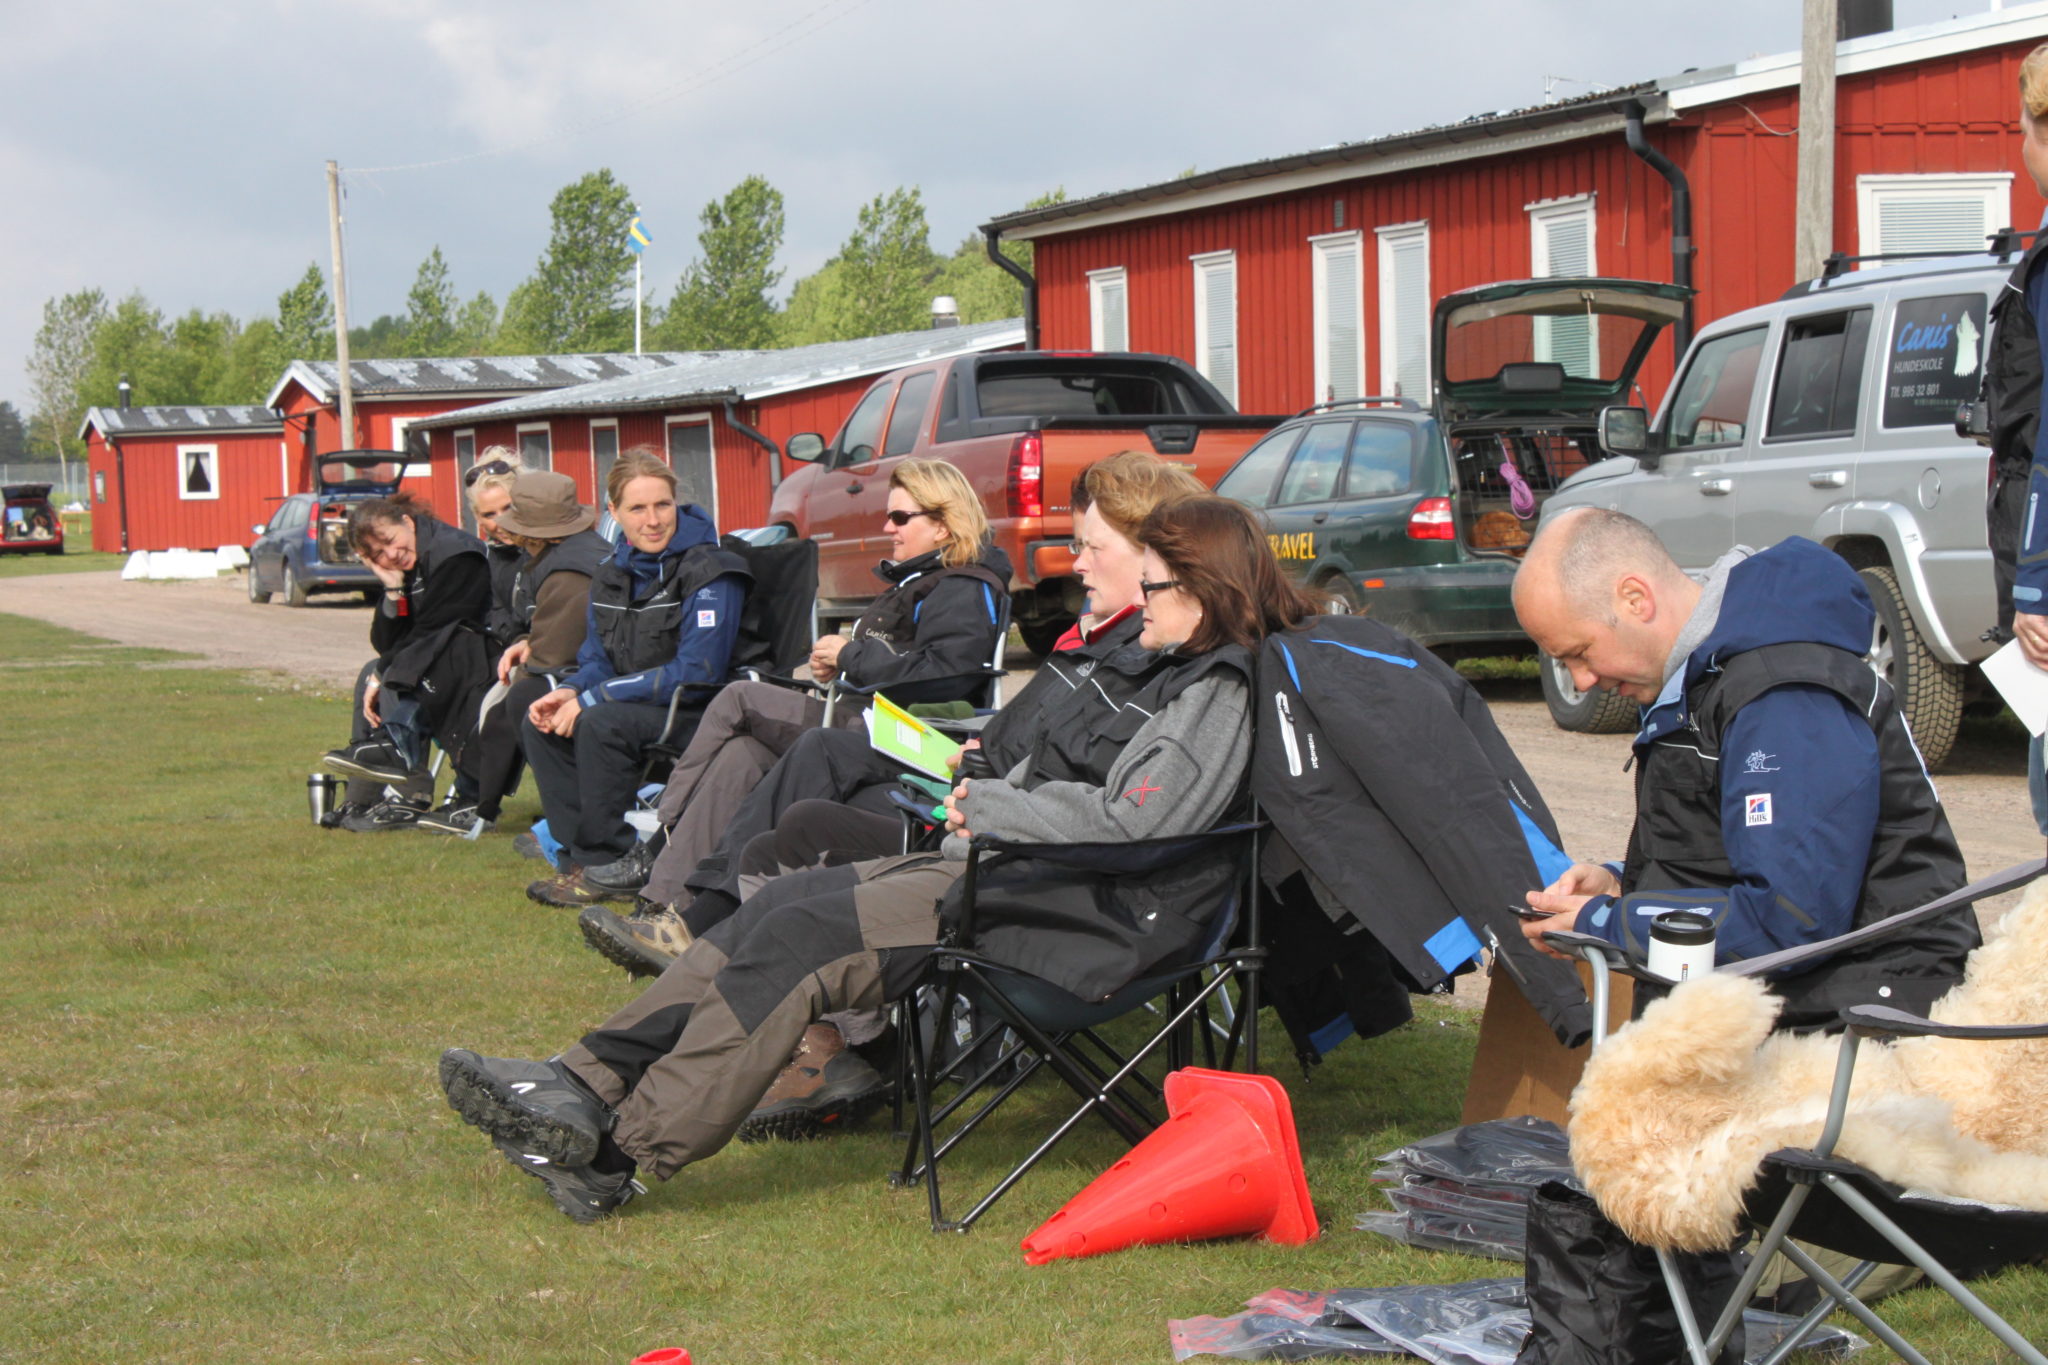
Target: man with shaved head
{"points": [[1777, 787]]}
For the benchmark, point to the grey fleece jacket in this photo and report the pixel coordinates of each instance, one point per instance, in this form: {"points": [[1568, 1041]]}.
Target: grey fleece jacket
{"points": [[1176, 776]]}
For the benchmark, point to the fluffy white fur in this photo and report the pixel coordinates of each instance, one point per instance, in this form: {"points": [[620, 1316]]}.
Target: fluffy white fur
{"points": [[1677, 1110]]}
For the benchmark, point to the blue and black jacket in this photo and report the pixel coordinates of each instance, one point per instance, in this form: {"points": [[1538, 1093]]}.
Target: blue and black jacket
{"points": [[658, 622]]}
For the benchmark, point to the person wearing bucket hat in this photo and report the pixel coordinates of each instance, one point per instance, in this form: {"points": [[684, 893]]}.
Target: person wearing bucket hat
{"points": [[547, 605]]}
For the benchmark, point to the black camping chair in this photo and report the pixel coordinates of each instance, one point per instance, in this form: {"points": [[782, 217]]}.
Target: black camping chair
{"points": [[1032, 1023], [981, 689], [1818, 1198]]}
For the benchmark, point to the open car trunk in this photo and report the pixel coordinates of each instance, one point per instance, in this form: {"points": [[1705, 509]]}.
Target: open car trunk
{"points": [[341, 479], [1523, 370], [26, 516]]}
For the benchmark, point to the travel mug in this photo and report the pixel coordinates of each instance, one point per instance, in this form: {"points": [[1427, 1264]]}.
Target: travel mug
{"points": [[1681, 945], [324, 792]]}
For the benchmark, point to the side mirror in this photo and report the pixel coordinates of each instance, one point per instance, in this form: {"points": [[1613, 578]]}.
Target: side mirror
{"points": [[806, 446], [1625, 431]]}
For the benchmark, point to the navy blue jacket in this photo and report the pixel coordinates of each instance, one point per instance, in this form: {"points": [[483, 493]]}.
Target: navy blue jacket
{"points": [[711, 622]]}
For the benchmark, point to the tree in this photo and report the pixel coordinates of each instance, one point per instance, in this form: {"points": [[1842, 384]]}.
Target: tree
{"points": [[579, 295], [476, 326], [879, 282], [430, 309], [305, 320], [722, 301], [13, 435], [57, 365], [984, 291]]}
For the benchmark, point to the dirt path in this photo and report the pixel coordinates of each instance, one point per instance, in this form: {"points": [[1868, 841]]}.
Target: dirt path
{"points": [[1984, 785]]}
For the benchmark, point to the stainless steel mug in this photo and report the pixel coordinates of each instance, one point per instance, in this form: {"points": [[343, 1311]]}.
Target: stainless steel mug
{"points": [[324, 792]]}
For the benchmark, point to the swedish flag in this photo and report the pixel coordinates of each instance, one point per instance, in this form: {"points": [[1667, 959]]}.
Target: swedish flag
{"points": [[637, 239]]}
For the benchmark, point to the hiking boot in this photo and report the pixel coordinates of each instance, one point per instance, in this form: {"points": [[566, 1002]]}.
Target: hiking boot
{"points": [[586, 1195], [378, 758], [339, 817], [629, 873], [644, 943], [527, 845], [825, 1087], [569, 891], [536, 1106], [453, 819], [387, 815]]}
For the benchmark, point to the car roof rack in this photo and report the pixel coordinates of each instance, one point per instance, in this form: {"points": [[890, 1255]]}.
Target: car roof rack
{"points": [[1400, 401], [2003, 243]]}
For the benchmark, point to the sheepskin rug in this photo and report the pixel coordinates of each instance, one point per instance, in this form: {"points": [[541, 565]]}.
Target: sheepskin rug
{"points": [[1677, 1110]]}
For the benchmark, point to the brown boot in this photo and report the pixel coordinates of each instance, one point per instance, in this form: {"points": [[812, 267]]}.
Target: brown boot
{"points": [[644, 943], [569, 890], [824, 1087]]}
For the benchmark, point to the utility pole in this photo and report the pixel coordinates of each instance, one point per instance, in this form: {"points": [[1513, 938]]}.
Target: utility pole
{"points": [[1814, 224], [348, 394]]}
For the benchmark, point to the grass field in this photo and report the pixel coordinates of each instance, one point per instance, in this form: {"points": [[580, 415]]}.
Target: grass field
{"points": [[225, 1142]]}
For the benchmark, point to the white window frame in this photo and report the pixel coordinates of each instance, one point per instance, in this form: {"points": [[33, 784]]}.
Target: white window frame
{"points": [[1993, 187], [700, 419], [1099, 282], [598, 424], [1320, 250], [1392, 237], [399, 427], [1542, 214], [211, 455], [519, 434], [1203, 265]]}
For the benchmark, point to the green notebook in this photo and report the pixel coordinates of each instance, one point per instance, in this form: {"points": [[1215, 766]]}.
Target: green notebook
{"points": [[898, 734]]}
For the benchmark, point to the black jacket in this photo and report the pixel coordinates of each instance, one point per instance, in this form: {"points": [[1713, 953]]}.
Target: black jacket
{"points": [[450, 581], [1395, 798], [2011, 394], [502, 621], [928, 638], [1014, 730]]}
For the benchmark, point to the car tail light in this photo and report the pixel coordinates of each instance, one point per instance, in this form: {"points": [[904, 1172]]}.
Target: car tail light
{"points": [[1431, 520], [1027, 476]]}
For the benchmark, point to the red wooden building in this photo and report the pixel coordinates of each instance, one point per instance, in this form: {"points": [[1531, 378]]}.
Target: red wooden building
{"points": [[183, 478], [720, 419], [1312, 276]]}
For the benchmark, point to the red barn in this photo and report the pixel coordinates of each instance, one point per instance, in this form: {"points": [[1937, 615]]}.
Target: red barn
{"points": [[183, 478], [1312, 276], [719, 418], [392, 395]]}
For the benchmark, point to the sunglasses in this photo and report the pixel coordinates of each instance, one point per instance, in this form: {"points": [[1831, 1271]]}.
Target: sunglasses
{"points": [[903, 518], [484, 471], [1149, 588]]}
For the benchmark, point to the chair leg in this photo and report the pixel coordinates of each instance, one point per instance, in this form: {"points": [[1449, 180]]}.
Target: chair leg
{"points": [[1814, 1316], [1849, 1303]]}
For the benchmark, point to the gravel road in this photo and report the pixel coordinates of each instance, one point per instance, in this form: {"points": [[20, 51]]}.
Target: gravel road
{"points": [[1984, 784]]}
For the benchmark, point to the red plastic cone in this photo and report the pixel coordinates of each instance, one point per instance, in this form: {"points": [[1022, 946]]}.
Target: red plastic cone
{"points": [[1225, 1164]]}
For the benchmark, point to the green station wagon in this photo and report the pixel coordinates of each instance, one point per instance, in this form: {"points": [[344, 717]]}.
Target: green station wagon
{"points": [[1418, 517]]}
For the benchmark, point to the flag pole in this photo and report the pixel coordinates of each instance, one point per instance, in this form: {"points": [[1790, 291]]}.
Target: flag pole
{"points": [[638, 252]]}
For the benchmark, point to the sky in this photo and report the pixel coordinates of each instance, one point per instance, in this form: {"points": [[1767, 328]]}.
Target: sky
{"points": [[180, 149]]}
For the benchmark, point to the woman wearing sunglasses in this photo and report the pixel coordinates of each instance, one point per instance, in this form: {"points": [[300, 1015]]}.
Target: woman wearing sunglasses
{"points": [[1159, 750], [926, 639]]}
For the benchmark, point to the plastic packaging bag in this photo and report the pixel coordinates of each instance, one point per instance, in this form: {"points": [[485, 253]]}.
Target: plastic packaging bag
{"points": [[1518, 1153]]}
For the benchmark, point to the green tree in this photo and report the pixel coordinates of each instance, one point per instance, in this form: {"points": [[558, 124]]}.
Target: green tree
{"points": [[305, 320], [130, 343], [430, 309], [985, 291], [817, 304], [888, 266], [57, 366], [13, 435], [383, 337], [722, 301], [579, 297], [253, 361], [476, 327]]}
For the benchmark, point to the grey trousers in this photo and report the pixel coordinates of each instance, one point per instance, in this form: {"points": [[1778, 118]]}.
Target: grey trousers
{"points": [[688, 1060]]}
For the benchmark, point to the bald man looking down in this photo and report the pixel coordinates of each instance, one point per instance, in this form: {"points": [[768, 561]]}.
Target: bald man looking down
{"points": [[1777, 787]]}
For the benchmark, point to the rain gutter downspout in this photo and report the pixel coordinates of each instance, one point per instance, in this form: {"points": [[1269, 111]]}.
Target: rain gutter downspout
{"points": [[759, 438], [121, 488], [1681, 217], [1024, 277]]}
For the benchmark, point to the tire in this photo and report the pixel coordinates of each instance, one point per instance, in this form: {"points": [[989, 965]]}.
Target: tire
{"points": [[1586, 713], [256, 594], [1040, 636], [295, 593], [1339, 594], [1930, 692]]}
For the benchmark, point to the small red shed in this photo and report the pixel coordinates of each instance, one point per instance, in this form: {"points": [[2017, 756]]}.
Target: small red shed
{"points": [[1313, 276], [190, 478], [720, 419]]}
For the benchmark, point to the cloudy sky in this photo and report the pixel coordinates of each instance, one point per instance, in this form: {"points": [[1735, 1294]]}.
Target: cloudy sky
{"points": [[179, 148]]}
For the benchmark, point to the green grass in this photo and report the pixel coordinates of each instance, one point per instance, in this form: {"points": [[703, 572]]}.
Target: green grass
{"points": [[224, 1141]]}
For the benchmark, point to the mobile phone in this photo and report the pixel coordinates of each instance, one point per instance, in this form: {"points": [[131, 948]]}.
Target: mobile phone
{"points": [[1531, 912]]}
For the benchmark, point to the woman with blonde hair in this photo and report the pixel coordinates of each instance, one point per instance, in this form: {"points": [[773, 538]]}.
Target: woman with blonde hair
{"points": [[927, 638]]}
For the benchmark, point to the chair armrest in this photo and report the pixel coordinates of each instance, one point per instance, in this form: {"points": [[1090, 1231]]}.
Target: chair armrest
{"points": [[1874, 1020], [917, 691], [1612, 955]]}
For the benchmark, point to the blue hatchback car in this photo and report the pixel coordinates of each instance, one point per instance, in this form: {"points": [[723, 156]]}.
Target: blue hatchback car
{"points": [[304, 548]]}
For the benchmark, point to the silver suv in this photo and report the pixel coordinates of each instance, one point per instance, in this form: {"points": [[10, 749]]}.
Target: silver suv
{"points": [[1828, 414]]}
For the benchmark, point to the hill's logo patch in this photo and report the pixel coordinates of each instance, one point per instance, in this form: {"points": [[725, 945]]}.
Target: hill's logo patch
{"points": [[1756, 810]]}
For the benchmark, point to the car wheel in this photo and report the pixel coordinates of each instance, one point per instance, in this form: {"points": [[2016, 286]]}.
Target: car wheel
{"points": [[294, 591], [256, 594], [1339, 595], [1587, 713], [1040, 636], [1930, 692]]}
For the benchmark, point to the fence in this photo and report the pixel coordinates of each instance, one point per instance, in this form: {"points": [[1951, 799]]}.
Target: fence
{"points": [[48, 471]]}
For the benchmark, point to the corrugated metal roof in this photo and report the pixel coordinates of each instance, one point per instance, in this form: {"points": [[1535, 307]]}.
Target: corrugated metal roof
{"points": [[165, 421], [748, 374], [479, 374]]}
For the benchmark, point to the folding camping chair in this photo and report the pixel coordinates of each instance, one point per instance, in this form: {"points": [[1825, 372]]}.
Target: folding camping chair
{"points": [[987, 695], [1050, 1027], [1860, 1214]]}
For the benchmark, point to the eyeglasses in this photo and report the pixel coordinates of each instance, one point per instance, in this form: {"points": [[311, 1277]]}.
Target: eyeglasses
{"points": [[897, 518], [1149, 588], [483, 471]]}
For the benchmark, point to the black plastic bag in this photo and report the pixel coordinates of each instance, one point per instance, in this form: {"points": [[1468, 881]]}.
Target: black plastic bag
{"points": [[1596, 1298]]}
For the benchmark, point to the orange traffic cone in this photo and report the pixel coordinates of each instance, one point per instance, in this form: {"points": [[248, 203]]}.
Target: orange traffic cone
{"points": [[1225, 1164]]}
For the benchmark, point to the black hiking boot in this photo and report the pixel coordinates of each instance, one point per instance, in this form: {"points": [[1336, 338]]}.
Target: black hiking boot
{"points": [[536, 1106]]}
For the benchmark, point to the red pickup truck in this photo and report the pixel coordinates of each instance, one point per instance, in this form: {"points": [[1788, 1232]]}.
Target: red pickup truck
{"points": [[1020, 425]]}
